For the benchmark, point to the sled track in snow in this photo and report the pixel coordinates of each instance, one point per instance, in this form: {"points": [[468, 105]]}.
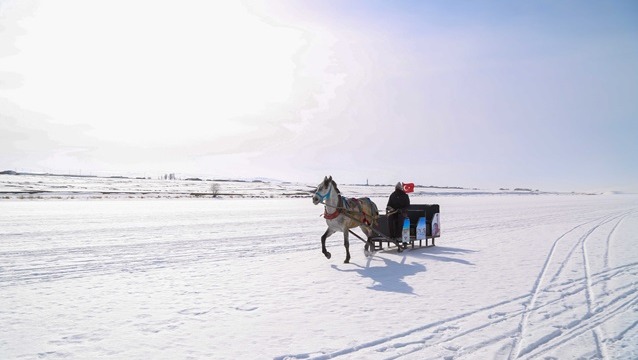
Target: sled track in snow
{"points": [[36, 266], [518, 349], [616, 307], [442, 337], [575, 246], [466, 326]]}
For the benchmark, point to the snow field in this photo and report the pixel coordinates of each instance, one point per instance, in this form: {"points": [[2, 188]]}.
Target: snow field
{"points": [[511, 277]]}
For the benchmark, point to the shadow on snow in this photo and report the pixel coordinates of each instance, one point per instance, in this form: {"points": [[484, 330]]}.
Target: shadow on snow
{"points": [[390, 276], [437, 253]]}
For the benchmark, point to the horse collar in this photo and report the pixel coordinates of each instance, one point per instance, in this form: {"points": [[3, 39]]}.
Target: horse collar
{"points": [[331, 216], [337, 212]]}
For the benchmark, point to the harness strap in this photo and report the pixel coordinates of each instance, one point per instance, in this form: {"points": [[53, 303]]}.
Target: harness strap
{"points": [[344, 206], [363, 213]]}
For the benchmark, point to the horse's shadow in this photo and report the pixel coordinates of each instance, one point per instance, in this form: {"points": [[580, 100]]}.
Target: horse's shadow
{"points": [[389, 276]]}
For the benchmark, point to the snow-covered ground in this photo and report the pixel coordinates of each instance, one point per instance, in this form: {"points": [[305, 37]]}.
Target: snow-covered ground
{"points": [[513, 276]]}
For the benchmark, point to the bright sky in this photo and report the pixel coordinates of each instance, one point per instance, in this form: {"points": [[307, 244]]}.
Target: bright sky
{"points": [[482, 94]]}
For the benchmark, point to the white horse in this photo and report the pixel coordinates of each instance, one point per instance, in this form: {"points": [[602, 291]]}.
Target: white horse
{"points": [[343, 214]]}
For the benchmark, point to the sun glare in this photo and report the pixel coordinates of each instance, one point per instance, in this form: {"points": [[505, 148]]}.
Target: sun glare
{"points": [[154, 67]]}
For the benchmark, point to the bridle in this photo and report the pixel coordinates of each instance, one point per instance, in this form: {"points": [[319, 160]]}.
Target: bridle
{"points": [[324, 197]]}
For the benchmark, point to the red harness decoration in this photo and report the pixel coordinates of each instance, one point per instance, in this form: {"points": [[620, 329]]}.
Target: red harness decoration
{"points": [[331, 216], [337, 211]]}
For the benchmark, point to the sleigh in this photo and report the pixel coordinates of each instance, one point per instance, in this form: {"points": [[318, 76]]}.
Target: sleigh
{"points": [[342, 215], [425, 225]]}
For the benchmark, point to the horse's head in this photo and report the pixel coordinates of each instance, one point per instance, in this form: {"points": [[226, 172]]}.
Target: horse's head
{"points": [[324, 190]]}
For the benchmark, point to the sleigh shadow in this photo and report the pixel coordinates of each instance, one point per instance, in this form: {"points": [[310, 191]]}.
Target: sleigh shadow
{"points": [[442, 253]]}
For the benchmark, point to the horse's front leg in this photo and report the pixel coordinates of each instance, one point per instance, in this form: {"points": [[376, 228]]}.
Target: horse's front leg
{"points": [[323, 242], [346, 244]]}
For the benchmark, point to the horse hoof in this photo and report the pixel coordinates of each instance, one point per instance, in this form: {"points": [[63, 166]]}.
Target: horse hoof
{"points": [[346, 261], [328, 255]]}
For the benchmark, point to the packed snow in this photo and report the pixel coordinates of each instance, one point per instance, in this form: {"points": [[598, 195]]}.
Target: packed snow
{"points": [[545, 276]]}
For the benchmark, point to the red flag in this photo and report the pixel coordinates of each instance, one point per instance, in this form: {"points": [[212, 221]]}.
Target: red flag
{"points": [[408, 187]]}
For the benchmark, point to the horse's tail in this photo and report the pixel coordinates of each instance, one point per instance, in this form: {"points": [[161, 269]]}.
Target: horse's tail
{"points": [[374, 212]]}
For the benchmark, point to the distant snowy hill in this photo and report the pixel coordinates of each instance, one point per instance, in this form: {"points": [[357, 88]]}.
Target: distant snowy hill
{"points": [[43, 186]]}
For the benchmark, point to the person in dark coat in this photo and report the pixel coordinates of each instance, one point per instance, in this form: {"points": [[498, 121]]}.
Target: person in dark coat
{"points": [[397, 210]]}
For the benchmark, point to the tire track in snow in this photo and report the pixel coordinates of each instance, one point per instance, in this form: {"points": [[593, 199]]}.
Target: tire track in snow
{"points": [[469, 349], [446, 331], [34, 266], [609, 238], [404, 334], [590, 296], [516, 347], [609, 242], [522, 328], [585, 325], [587, 285], [602, 276], [467, 328], [570, 253], [625, 331], [557, 335], [597, 332]]}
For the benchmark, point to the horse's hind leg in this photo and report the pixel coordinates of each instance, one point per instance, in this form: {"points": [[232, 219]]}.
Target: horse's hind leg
{"points": [[323, 242], [369, 248]]}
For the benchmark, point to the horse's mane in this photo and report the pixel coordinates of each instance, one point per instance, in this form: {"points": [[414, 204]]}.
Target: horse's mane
{"points": [[335, 186]]}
